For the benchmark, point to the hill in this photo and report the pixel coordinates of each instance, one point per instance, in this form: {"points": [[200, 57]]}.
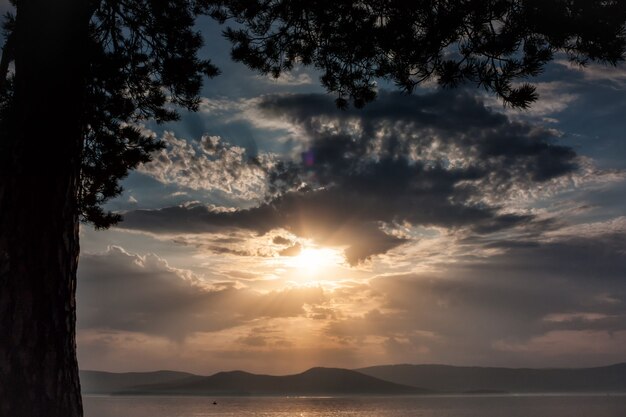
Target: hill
{"points": [[97, 382], [315, 381], [376, 380], [444, 378]]}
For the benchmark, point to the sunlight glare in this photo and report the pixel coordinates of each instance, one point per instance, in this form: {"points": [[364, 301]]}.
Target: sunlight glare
{"points": [[312, 260]]}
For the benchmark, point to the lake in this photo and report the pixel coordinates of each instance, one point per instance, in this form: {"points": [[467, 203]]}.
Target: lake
{"points": [[560, 405]]}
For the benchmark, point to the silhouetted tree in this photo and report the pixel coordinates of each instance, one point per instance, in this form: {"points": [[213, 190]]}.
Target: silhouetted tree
{"points": [[490, 43], [86, 73]]}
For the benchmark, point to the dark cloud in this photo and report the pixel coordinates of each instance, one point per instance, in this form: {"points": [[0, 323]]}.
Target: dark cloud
{"points": [[502, 309], [293, 250], [433, 128], [196, 218], [279, 240], [439, 159], [253, 340], [126, 292], [259, 337]]}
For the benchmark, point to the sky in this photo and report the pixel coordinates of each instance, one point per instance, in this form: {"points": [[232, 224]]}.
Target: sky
{"points": [[277, 233]]}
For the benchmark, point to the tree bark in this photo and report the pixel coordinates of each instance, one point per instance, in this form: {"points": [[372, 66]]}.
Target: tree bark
{"points": [[42, 141]]}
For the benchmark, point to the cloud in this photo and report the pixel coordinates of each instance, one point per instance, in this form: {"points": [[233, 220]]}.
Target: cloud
{"points": [[280, 240], [521, 306], [554, 98], [514, 308], [288, 78], [569, 346], [291, 250], [598, 72], [210, 164], [455, 131], [438, 159], [122, 291]]}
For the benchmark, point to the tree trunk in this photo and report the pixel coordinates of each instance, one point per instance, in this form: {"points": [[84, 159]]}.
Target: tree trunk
{"points": [[42, 140]]}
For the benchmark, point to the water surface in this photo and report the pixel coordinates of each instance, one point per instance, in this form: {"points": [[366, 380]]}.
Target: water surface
{"points": [[422, 406]]}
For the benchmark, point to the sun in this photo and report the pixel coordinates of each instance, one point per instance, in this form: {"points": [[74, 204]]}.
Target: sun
{"points": [[309, 259], [312, 261]]}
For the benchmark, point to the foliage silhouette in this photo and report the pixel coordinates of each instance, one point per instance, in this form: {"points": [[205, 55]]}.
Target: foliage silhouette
{"points": [[142, 61], [492, 44]]}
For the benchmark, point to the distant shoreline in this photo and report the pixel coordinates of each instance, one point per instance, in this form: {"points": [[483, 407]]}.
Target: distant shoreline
{"points": [[386, 380]]}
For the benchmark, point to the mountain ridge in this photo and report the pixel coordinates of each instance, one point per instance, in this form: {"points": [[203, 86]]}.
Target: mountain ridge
{"points": [[398, 379], [314, 381], [102, 382], [449, 378]]}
